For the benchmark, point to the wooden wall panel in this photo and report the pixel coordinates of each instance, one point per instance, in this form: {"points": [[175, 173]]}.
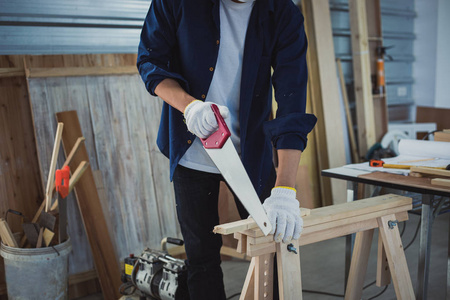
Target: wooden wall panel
{"points": [[119, 120]]}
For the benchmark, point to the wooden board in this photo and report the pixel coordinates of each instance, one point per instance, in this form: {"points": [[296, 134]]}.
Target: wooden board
{"points": [[421, 184], [431, 171], [441, 182], [362, 76], [325, 96], [102, 248], [6, 234], [442, 136]]}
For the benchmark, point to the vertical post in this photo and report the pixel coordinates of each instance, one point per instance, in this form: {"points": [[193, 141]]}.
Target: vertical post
{"points": [[352, 195], [424, 248], [289, 275]]}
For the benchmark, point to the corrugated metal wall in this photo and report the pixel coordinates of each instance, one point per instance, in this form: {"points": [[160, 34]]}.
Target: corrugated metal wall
{"points": [[75, 27], [398, 31], [113, 26]]}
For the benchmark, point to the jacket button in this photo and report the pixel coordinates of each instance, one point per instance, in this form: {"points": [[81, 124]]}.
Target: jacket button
{"points": [[189, 142], [217, 42], [203, 96], [211, 69]]}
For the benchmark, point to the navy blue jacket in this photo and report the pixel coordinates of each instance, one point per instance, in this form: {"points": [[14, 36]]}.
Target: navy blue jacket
{"points": [[180, 39]]}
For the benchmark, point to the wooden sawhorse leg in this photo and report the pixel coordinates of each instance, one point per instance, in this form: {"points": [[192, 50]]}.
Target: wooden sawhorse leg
{"points": [[259, 281], [395, 256]]}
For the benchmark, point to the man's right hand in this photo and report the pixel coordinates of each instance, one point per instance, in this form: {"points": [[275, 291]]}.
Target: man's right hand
{"points": [[200, 119]]}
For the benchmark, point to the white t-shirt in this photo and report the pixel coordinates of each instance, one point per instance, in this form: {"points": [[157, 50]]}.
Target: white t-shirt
{"points": [[226, 82]]}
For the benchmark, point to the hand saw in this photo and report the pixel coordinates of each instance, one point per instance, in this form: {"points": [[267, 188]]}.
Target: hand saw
{"points": [[222, 152]]}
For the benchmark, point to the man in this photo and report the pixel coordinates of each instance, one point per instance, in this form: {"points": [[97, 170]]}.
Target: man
{"points": [[197, 52]]}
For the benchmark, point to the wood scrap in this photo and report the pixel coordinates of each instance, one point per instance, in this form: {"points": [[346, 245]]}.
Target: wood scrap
{"points": [[40, 238], [6, 234], [91, 211], [430, 171], [47, 236], [441, 182], [51, 173]]}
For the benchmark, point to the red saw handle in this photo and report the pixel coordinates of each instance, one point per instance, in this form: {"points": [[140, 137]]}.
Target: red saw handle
{"points": [[62, 179], [218, 138]]}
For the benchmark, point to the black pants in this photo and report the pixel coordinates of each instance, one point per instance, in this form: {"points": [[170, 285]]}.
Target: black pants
{"points": [[197, 195]]}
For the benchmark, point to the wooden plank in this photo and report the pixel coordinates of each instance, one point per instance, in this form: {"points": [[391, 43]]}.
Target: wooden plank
{"points": [[47, 236], [289, 276], [11, 72], [332, 226], [94, 222], [430, 171], [242, 242], [74, 150], [51, 173], [418, 183], [306, 239], [442, 137], [351, 133], [330, 213], [383, 272], [358, 267], [362, 76], [248, 290], [441, 182], [248, 223], [325, 96], [396, 258], [6, 234], [80, 71], [264, 276]]}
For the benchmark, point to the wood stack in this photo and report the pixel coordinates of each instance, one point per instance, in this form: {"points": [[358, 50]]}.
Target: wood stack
{"points": [[438, 177]]}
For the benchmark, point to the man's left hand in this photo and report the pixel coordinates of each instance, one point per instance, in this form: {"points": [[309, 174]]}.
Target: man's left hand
{"points": [[283, 210]]}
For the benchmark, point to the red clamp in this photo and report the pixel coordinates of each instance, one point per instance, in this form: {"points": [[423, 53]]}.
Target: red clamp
{"points": [[62, 179]]}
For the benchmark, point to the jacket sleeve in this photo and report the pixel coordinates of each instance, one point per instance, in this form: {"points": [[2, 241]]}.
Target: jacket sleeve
{"points": [[291, 126], [157, 44]]}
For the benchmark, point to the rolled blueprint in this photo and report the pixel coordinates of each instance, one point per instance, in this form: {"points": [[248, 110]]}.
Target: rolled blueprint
{"points": [[424, 148]]}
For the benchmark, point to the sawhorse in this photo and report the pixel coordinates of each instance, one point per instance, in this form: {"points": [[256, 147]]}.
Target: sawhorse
{"points": [[360, 217]]}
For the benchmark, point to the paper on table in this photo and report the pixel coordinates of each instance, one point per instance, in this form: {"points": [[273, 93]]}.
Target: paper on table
{"points": [[413, 153]]}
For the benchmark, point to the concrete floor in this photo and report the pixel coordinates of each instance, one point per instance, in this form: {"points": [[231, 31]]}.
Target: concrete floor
{"points": [[322, 266]]}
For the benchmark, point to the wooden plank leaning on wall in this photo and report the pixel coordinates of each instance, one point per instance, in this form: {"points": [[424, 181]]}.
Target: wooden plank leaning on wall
{"points": [[362, 75], [324, 97], [89, 203]]}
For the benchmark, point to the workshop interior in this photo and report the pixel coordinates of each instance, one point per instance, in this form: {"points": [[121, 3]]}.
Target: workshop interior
{"points": [[88, 208]]}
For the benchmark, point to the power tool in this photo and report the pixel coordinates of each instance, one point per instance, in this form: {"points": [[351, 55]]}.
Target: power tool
{"points": [[156, 275]]}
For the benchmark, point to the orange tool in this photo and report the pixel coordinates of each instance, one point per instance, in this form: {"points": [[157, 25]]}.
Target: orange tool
{"points": [[376, 163]]}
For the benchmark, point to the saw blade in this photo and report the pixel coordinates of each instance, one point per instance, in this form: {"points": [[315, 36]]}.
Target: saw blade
{"points": [[229, 164]]}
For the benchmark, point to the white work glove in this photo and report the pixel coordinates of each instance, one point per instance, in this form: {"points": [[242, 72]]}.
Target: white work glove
{"points": [[283, 210], [200, 119]]}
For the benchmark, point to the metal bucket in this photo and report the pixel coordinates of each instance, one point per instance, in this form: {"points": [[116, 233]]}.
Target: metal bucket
{"points": [[37, 273]]}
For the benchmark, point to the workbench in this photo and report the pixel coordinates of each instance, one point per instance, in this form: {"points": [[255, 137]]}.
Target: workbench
{"points": [[420, 185]]}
